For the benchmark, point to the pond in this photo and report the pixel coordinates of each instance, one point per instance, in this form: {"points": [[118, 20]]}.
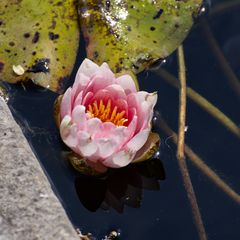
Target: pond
{"points": [[149, 201]]}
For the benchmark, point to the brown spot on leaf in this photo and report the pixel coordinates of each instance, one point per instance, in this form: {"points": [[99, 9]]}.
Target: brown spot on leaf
{"points": [[41, 65], [11, 44], [36, 37], [59, 3], [53, 36], [26, 35], [158, 14]]}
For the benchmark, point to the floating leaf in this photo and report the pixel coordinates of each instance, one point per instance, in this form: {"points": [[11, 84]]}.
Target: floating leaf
{"points": [[39, 37], [130, 35]]}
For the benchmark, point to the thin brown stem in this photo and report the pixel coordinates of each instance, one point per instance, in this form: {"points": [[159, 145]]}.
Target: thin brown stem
{"points": [[199, 163], [180, 148], [217, 52], [182, 104], [202, 102]]}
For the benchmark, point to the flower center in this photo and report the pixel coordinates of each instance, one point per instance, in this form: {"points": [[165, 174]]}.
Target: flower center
{"points": [[107, 113]]}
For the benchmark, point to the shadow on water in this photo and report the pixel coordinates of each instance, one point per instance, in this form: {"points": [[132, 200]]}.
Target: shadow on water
{"points": [[120, 187], [96, 205]]}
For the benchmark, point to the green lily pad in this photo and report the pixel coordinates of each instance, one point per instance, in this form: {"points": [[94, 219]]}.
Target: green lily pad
{"points": [[40, 39], [130, 35]]}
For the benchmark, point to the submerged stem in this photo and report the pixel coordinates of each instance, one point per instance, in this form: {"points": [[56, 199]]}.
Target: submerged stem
{"points": [[202, 102], [217, 52], [180, 148], [199, 163], [224, 7]]}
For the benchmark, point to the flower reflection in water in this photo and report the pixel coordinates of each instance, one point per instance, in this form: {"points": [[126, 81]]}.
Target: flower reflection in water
{"points": [[120, 187]]}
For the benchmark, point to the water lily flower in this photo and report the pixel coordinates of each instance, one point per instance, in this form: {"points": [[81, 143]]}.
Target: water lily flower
{"points": [[103, 118]]}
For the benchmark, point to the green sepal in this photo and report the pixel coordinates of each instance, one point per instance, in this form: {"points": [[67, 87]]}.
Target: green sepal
{"points": [[79, 163]]}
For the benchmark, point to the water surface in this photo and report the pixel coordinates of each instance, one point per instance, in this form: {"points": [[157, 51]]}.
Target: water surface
{"points": [[130, 200]]}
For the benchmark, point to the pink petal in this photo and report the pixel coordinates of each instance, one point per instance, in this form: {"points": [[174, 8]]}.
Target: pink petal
{"points": [[131, 113], [66, 104], [89, 149], [86, 146], [122, 106], [144, 103], [65, 126], [119, 136], [94, 126], [107, 128], [68, 132], [88, 68], [101, 79], [144, 116], [116, 91], [151, 98], [127, 83], [80, 83], [133, 101], [119, 159], [87, 99], [78, 100], [79, 117], [138, 141], [147, 110], [131, 129], [104, 65], [102, 94], [106, 147], [83, 137]]}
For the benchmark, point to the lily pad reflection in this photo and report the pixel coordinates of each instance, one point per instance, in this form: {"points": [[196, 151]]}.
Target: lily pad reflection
{"points": [[120, 187]]}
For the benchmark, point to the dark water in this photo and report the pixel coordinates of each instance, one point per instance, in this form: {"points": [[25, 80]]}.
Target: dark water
{"points": [[129, 200]]}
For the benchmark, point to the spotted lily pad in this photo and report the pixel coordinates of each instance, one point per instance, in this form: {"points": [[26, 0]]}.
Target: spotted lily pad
{"points": [[130, 35], [38, 41]]}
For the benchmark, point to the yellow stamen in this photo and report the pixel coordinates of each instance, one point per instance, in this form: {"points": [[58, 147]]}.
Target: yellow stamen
{"points": [[114, 112], [95, 107], [108, 109], [101, 107], [106, 114]]}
